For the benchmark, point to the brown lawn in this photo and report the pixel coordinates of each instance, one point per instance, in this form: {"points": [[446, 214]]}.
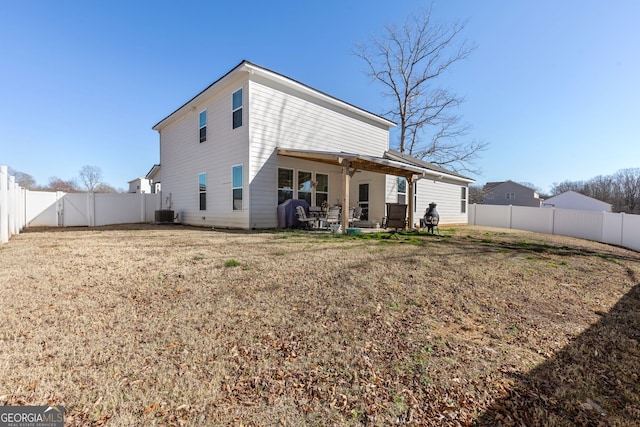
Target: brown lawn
{"points": [[171, 325]]}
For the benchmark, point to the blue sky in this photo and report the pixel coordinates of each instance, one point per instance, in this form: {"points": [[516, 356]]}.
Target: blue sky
{"points": [[552, 86]]}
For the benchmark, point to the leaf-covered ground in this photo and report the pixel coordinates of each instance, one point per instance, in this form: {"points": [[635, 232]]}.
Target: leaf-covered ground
{"points": [[170, 325]]}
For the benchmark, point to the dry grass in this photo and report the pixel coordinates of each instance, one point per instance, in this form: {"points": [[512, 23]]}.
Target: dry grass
{"points": [[145, 325]]}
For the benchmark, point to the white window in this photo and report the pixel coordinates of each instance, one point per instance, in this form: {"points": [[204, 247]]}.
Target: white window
{"points": [[463, 200], [305, 186], [510, 196], [202, 188], [236, 185], [322, 188], [363, 200], [203, 125], [237, 108], [402, 190], [285, 185]]}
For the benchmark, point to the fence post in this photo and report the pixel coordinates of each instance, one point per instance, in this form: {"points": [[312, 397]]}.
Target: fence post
{"points": [[621, 228], [510, 216], [23, 208], [4, 205], [143, 207], [12, 206], [91, 209]]}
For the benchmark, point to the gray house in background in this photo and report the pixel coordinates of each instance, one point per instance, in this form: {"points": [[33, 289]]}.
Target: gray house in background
{"points": [[510, 193]]}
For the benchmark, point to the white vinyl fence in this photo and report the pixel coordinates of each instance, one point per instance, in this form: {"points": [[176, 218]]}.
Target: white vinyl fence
{"points": [[12, 206], [616, 229], [89, 209], [21, 208]]}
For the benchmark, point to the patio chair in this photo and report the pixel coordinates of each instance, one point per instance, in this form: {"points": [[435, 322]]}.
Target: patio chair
{"points": [[354, 215], [333, 216], [308, 222], [396, 216]]}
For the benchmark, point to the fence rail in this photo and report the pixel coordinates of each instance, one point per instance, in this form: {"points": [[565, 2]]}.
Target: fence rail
{"points": [[20, 208], [614, 228]]}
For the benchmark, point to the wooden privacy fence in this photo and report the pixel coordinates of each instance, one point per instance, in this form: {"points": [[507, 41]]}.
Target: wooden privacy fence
{"points": [[614, 228], [21, 208]]}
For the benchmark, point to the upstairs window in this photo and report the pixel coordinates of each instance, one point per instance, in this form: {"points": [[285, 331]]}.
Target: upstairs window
{"points": [[510, 196], [202, 186], [203, 125], [237, 108]]}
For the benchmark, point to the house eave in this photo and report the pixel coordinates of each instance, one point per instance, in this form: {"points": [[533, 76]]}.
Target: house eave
{"points": [[434, 171], [360, 162]]}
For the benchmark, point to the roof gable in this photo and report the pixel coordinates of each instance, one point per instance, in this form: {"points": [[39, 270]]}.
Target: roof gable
{"points": [[251, 69], [492, 186]]}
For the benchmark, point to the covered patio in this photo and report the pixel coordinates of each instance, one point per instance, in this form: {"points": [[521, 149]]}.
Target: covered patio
{"points": [[351, 163]]}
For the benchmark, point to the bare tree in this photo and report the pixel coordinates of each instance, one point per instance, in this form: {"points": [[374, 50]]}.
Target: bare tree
{"points": [[58, 184], [621, 190], [476, 193], [602, 188], [105, 188], [628, 181], [24, 180], [91, 177], [407, 62], [577, 186]]}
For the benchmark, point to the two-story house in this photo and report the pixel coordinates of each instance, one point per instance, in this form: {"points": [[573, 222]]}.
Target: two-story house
{"points": [[255, 138], [510, 193]]}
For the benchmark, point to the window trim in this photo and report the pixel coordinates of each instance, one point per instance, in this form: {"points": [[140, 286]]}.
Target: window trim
{"points": [[401, 193], [278, 188], [464, 196], [315, 188], [234, 187], [236, 109], [298, 191], [202, 191], [202, 127]]}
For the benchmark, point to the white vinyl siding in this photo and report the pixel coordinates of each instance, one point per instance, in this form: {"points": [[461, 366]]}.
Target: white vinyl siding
{"points": [[279, 118], [445, 194], [182, 158]]}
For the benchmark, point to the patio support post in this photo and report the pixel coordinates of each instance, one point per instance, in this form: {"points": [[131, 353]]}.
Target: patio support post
{"points": [[345, 194], [410, 181]]}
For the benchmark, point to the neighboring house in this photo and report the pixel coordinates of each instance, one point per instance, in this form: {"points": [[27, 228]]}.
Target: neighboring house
{"points": [[576, 201], [255, 138], [154, 178], [510, 193], [140, 185]]}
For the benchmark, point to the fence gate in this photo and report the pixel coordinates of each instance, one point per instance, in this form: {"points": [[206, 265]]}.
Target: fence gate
{"points": [[73, 210]]}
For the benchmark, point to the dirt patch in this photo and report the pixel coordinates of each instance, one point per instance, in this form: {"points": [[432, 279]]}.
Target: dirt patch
{"points": [[136, 325]]}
